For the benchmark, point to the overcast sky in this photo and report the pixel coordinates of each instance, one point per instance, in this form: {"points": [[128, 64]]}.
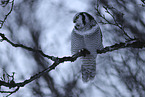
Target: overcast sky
{"points": [[52, 21], [55, 18]]}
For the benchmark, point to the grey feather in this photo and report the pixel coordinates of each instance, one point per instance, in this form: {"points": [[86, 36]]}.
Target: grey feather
{"points": [[90, 38]]}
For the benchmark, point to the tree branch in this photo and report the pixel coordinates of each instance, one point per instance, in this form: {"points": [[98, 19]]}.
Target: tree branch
{"points": [[82, 52], [114, 19], [134, 43], [131, 43], [27, 48], [2, 22]]}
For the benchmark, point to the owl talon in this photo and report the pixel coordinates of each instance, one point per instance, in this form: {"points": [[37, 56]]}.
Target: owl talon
{"points": [[84, 52]]}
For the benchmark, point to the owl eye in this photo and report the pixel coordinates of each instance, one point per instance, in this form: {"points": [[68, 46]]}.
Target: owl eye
{"points": [[77, 17]]}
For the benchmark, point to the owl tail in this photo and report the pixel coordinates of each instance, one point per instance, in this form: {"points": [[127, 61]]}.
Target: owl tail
{"points": [[88, 68]]}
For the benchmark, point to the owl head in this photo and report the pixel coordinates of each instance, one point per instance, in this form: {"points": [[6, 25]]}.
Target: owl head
{"points": [[84, 21]]}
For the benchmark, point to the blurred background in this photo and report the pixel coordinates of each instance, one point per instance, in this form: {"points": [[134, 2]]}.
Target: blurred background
{"points": [[47, 25]]}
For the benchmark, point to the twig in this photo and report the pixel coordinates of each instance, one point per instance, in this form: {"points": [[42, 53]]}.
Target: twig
{"points": [[108, 22], [2, 22]]}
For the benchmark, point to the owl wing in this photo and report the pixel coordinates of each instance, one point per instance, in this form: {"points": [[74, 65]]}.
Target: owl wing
{"points": [[93, 41], [77, 42]]}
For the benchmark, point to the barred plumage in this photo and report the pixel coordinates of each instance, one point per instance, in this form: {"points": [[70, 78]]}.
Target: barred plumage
{"points": [[86, 34]]}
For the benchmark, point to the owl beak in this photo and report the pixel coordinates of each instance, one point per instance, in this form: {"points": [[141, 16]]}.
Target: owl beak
{"points": [[77, 25]]}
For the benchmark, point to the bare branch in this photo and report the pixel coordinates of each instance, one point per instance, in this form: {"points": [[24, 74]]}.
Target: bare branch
{"points": [[134, 43], [27, 48], [108, 22], [11, 92], [6, 16], [12, 84]]}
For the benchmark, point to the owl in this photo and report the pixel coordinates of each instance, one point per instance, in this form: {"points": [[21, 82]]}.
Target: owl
{"points": [[86, 34]]}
